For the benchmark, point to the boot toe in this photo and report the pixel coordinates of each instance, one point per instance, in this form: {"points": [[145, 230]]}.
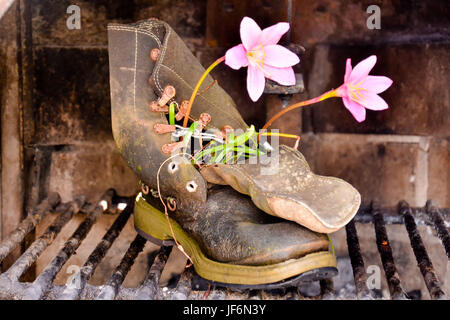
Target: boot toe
{"points": [[325, 206], [287, 188]]}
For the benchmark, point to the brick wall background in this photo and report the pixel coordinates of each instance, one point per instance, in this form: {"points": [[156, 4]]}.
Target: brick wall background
{"points": [[401, 153], [60, 78]]}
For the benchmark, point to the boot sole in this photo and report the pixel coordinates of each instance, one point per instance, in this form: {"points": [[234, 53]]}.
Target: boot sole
{"points": [[152, 225]]}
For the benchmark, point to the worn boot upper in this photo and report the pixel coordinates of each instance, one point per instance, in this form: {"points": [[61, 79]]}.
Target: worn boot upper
{"points": [[229, 228], [284, 186], [323, 204], [226, 224]]}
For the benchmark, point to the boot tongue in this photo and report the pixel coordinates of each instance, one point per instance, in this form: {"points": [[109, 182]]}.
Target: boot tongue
{"points": [[153, 26], [176, 66]]}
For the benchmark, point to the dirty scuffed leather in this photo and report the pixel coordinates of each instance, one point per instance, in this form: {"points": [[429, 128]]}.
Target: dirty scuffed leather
{"points": [[229, 228], [286, 187], [226, 224], [322, 204]]}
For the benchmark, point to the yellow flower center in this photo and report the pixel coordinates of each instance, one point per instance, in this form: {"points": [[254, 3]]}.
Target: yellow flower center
{"points": [[257, 55], [355, 91]]}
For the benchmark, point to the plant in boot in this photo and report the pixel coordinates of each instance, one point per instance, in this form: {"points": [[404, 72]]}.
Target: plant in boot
{"points": [[323, 204], [227, 237]]}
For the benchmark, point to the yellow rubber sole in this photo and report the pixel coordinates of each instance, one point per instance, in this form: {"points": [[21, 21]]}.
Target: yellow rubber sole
{"points": [[153, 223]]}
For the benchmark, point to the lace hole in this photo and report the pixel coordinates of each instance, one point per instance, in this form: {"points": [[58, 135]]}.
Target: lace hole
{"points": [[172, 167], [191, 186]]}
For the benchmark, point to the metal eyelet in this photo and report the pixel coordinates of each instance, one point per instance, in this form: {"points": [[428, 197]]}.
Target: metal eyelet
{"points": [[171, 204], [172, 167], [145, 189], [154, 54], [191, 186]]}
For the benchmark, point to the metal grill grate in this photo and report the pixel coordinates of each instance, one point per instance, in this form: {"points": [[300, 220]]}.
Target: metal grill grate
{"points": [[44, 288]]}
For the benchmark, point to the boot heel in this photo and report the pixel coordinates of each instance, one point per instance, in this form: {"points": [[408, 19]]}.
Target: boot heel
{"points": [[152, 225]]}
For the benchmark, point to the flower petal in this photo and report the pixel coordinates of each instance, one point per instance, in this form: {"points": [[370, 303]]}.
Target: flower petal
{"points": [[376, 84], [236, 57], [373, 101], [280, 57], [362, 69], [358, 111], [284, 76], [348, 70], [250, 33], [273, 34], [255, 82]]}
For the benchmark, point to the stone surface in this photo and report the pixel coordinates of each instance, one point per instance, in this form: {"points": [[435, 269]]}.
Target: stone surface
{"points": [[71, 100], [342, 21], [418, 98], [223, 15], [439, 172], [50, 29], [382, 168], [90, 169]]}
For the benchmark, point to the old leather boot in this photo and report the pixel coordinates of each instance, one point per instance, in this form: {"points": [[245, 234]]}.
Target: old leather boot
{"points": [[284, 186], [228, 239]]}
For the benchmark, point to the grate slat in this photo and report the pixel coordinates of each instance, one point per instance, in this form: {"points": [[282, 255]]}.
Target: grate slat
{"points": [[43, 287], [385, 250], [423, 260], [184, 285], [110, 290], [149, 288], [439, 225], [47, 238], [357, 262], [73, 292], [16, 237], [327, 289], [45, 279]]}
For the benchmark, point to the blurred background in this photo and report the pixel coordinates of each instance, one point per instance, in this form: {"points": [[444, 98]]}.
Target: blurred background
{"points": [[55, 102]]}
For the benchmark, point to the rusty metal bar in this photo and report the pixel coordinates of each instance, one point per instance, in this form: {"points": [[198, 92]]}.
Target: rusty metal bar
{"points": [[73, 292], [28, 224], [45, 279], [385, 250], [359, 272], [149, 288], [184, 285], [391, 215], [110, 290], [439, 225], [292, 294], [327, 289], [38, 246], [216, 294], [423, 260]]}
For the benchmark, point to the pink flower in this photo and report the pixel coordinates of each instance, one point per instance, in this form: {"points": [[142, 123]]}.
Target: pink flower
{"points": [[360, 91], [263, 57]]}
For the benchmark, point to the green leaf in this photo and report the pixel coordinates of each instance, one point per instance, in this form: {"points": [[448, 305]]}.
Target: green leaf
{"points": [[172, 114], [189, 133]]}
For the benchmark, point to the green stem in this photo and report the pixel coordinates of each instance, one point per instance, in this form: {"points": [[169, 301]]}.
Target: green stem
{"points": [[199, 83], [326, 95]]}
